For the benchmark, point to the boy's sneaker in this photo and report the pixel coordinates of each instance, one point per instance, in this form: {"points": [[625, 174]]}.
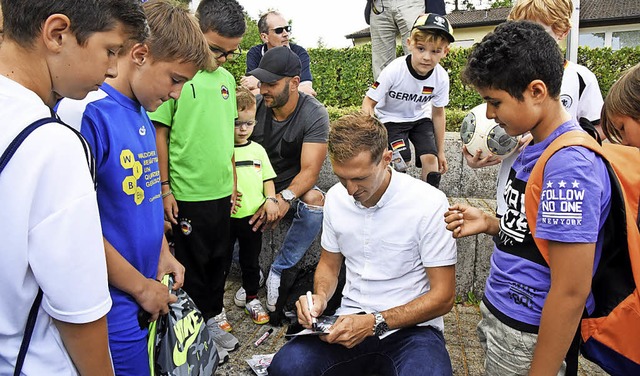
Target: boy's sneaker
{"points": [[240, 298], [273, 284], [221, 318], [223, 340], [223, 355], [256, 311]]}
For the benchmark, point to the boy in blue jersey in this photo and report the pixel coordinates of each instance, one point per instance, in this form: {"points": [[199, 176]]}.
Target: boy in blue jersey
{"points": [[153, 66], [531, 310], [194, 136]]}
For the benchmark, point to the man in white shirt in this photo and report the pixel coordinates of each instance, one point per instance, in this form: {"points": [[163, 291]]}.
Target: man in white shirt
{"points": [[400, 267]]}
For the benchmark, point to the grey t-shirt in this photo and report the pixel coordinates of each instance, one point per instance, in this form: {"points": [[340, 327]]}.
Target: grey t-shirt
{"points": [[308, 123]]}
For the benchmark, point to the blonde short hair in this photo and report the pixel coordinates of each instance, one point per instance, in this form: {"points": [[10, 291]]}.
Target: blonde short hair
{"points": [[175, 34], [428, 36], [623, 99], [244, 98], [554, 13]]}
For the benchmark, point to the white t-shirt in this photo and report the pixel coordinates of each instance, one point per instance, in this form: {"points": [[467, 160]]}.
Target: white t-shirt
{"points": [[581, 97], [404, 96], [51, 236], [388, 246]]}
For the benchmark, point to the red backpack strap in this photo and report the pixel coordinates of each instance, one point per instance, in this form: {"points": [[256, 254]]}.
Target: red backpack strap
{"points": [[534, 184]]}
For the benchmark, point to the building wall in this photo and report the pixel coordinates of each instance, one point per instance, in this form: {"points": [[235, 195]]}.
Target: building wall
{"points": [[611, 36]]}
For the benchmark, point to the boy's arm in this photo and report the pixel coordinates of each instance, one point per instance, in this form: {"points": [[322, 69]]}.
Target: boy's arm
{"points": [[368, 106], [236, 196], [151, 295], [88, 346], [168, 201], [439, 120], [269, 207], [168, 264], [571, 267], [464, 220]]}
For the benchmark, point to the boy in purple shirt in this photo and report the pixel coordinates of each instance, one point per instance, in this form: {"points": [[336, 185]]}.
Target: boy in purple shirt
{"points": [[531, 310]]}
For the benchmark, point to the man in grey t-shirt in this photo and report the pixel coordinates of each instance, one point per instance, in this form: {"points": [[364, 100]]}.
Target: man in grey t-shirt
{"points": [[292, 127]]}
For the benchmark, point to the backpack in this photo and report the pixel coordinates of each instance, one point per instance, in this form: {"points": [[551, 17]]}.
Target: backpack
{"points": [[611, 333], [179, 342]]}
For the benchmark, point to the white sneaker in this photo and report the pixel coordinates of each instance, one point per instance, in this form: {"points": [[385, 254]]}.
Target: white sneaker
{"points": [[273, 284], [240, 298]]}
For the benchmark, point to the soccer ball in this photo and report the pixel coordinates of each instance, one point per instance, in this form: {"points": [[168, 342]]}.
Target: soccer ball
{"points": [[478, 132]]}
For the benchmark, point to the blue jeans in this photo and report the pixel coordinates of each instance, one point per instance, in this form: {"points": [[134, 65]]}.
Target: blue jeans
{"points": [[414, 351], [306, 225]]}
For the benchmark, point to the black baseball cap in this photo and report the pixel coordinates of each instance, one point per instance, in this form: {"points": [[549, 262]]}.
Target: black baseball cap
{"points": [[434, 22], [277, 62]]}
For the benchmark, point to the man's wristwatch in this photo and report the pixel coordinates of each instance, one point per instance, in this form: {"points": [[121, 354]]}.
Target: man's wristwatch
{"points": [[380, 327], [288, 195]]}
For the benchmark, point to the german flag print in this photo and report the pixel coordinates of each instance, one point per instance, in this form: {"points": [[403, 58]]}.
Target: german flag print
{"points": [[427, 90], [398, 144], [375, 85]]}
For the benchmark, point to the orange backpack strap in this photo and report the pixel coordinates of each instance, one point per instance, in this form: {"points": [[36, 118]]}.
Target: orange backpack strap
{"points": [[622, 161], [534, 184]]}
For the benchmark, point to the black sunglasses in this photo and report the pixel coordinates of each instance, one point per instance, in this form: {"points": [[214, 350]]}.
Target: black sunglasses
{"points": [[230, 55], [279, 30]]}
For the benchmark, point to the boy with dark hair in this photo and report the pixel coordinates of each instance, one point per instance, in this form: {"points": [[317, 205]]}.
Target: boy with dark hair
{"points": [[153, 67], [194, 137], [410, 94], [531, 310], [49, 220], [580, 93]]}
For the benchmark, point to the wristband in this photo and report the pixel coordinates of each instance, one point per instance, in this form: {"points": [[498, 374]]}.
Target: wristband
{"points": [[167, 194], [273, 199], [166, 182]]}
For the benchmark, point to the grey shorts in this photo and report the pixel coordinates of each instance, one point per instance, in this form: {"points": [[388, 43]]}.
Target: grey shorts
{"points": [[507, 351]]}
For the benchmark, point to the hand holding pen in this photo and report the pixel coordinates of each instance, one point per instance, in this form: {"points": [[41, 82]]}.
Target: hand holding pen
{"points": [[314, 321]]}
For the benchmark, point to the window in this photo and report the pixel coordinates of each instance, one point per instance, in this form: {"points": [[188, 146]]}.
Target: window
{"points": [[592, 40], [622, 39]]}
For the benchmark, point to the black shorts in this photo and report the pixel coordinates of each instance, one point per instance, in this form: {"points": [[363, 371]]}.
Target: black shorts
{"points": [[419, 132]]}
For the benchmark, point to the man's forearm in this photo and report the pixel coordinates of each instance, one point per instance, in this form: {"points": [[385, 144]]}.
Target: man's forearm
{"points": [[88, 346], [436, 302], [325, 279]]}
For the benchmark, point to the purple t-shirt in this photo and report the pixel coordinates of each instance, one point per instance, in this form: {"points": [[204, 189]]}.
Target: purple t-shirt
{"points": [[574, 203]]}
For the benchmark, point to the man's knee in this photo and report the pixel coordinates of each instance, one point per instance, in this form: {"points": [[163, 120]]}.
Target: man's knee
{"points": [[313, 197]]}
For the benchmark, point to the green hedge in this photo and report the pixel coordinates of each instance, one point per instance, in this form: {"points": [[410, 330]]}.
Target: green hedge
{"points": [[342, 76]]}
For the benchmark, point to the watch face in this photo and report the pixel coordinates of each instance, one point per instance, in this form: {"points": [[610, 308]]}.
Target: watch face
{"points": [[381, 328], [288, 195]]}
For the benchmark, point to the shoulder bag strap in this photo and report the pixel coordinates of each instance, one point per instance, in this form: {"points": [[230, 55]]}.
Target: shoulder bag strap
{"points": [[33, 312]]}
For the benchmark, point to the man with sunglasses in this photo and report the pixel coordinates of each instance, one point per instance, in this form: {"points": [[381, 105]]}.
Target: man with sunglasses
{"points": [[195, 141], [274, 32]]}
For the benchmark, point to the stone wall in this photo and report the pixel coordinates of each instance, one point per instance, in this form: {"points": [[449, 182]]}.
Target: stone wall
{"points": [[461, 184]]}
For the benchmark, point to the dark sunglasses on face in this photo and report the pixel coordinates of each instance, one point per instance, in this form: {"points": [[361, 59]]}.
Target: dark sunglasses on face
{"points": [[279, 30], [230, 55]]}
